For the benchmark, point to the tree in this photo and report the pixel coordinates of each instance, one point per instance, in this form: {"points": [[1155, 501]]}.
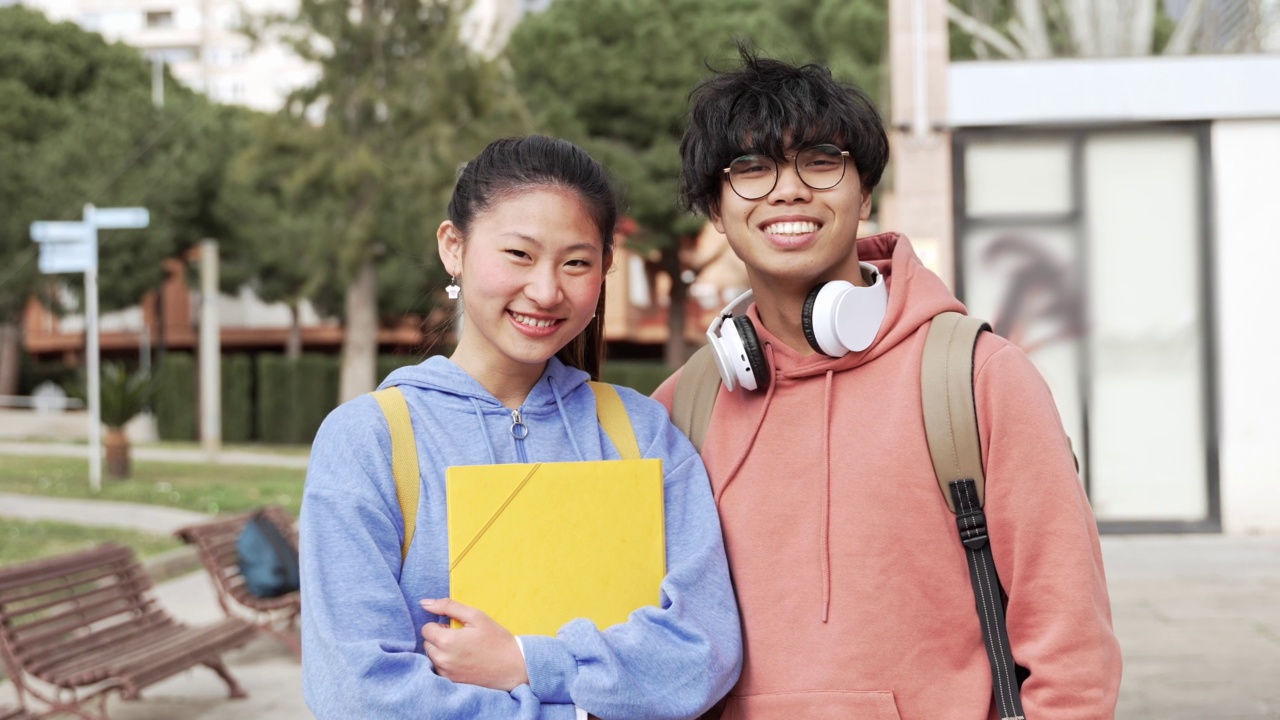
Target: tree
{"points": [[274, 219], [77, 126], [1036, 29], [404, 101], [614, 76]]}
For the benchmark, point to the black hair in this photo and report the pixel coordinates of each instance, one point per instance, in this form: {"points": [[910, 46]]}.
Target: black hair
{"points": [[768, 106], [512, 166]]}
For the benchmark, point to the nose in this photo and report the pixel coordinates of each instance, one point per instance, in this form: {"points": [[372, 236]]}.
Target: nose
{"points": [[789, 188], [544, 287]]}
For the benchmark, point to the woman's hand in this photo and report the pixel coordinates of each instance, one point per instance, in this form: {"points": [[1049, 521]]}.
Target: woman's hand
{"points": [[481, 652]]}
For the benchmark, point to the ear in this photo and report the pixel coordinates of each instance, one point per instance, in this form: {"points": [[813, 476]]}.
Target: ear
{"points": [[606, 262], [713, 214], [449, 242], [864, 211]]}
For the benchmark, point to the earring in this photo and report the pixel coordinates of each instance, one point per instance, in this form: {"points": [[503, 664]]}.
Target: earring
{"points": [[453, 288]]}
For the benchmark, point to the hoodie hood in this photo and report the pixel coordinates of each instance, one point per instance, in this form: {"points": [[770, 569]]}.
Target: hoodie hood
{"points": [[915, 296], [440, 374]]}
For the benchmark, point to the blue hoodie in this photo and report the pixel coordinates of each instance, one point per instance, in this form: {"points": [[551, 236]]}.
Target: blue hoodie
{"points": [[361, 621]]}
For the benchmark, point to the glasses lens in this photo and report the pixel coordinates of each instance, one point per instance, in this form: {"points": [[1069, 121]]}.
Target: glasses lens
{"points": [[753, 176], [821, 166]]}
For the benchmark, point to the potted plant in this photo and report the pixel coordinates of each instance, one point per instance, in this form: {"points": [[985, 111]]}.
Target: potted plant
{"points": [[124, 396]]}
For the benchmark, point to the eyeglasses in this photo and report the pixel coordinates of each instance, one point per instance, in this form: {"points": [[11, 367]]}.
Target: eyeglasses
{"points": [[821, 167]]}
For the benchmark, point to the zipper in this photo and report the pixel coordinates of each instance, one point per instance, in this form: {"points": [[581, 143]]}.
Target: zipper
{"points": [[519, 431]]}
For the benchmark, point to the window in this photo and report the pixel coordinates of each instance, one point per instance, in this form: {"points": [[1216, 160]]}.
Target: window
{"points": [[159, 18]]}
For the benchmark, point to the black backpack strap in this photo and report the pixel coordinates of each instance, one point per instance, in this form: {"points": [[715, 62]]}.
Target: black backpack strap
{"points": [[951, 427]]}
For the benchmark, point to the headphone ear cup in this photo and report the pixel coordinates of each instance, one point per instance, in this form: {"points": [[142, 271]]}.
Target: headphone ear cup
{"points": [[755, 355], [806, 318]]}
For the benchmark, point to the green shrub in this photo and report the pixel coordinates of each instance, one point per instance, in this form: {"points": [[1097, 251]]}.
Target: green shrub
{"points": [[387, 363], [32, 373], [643, 376], [294, 397], [237, 398], [175, 397]]}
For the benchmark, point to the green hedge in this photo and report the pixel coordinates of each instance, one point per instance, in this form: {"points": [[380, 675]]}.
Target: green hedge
{"points": [[176, 398], [387, 363], [645, 377], [294, 397], [237, 398], [32, 373]]}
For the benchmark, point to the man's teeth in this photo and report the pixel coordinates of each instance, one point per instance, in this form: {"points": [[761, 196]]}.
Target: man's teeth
{"points": [[526, 320], [792, 228]]}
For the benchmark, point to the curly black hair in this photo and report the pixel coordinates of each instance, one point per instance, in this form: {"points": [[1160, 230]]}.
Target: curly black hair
{"points": [[769, 106]]}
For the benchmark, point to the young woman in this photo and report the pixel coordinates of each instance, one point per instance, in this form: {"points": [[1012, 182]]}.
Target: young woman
{"points": [[529, 239]]}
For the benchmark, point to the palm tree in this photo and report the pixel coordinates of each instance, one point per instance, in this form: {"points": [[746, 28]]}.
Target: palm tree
{"points": [[124, 396]]}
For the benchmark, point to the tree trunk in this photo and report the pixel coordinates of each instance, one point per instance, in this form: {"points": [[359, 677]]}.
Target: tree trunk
{"points": [[10, 340], [117, 446], [360, 339], [293, 344], [674, 354]]}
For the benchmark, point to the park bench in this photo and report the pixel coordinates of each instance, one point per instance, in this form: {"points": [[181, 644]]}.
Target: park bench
{"points": [[215, 542], [81, 626]]}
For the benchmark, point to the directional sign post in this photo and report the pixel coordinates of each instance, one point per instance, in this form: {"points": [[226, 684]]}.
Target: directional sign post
{"points": [[72, 247]]}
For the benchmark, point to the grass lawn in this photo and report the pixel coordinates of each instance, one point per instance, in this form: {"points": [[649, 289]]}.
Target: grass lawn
{"points": [[21, 540], [205, 488]]}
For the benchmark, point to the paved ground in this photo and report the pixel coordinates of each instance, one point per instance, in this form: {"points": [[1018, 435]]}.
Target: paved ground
{"points": [[1198, 619], [142, 452]]}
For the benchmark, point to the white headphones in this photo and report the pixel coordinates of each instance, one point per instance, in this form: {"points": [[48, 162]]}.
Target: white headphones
{"points": [[838, 318]]}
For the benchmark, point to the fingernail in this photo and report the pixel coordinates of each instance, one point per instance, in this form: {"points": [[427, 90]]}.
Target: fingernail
{"points": [[427, 603]]}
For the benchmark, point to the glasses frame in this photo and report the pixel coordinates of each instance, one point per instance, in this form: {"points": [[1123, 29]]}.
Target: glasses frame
{"points": [[795, 163]]}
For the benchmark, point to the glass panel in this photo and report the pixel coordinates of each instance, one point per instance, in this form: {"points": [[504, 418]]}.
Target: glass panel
{"points": [[1026, 282], [1023, 177], [1143, 230]]}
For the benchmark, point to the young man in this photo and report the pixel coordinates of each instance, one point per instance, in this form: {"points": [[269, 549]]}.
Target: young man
{"points": [[853, 585]]}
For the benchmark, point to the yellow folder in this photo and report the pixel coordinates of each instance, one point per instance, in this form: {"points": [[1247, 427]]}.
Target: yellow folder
{"points": [[537, 545]]}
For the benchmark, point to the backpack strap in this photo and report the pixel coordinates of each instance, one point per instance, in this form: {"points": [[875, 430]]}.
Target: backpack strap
{"points": [[695, 396], [404, 459], [613, 418], [950, 414], [404, 449], [951, 427]]}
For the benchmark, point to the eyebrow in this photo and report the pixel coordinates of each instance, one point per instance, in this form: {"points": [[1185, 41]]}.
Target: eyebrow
{"points": [[535, 241]]}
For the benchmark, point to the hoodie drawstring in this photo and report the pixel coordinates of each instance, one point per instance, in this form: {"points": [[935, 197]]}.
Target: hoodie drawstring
{"points": [[826, 498], [564, 418], [488, 442]]}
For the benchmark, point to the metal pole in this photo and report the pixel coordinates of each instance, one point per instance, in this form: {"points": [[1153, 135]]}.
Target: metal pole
{"points": [[157, 81], [210, 350], [91, 358]]}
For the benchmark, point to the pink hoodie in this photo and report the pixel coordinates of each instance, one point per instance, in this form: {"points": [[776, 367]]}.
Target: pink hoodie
{"points": [[854, 589]]}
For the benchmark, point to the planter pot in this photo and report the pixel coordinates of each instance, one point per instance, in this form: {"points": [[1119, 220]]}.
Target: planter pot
{"points": [[117, 445]]}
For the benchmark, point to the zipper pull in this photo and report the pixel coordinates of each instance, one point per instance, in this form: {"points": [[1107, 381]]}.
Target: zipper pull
{"points": [[519, 430]]}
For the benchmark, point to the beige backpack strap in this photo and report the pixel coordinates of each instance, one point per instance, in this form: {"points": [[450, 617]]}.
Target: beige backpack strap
{"points": [[695, 396], [614, 419], [404, 459], [950, 415]]}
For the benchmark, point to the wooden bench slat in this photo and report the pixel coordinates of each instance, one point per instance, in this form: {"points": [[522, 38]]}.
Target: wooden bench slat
{"points": [[215, 541], [86, 623], [107, 639]]}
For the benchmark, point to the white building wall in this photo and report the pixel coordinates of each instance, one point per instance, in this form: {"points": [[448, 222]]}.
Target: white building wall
{"points": [[1246, 173], [201, 43]]}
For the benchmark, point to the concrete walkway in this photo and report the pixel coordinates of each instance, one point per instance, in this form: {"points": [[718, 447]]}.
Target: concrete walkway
{"points": [[159, 454], [98, 513], [1198, 617]]}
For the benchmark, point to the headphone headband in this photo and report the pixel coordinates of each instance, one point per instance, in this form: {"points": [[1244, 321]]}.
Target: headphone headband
{"points": [[737, 307]]}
